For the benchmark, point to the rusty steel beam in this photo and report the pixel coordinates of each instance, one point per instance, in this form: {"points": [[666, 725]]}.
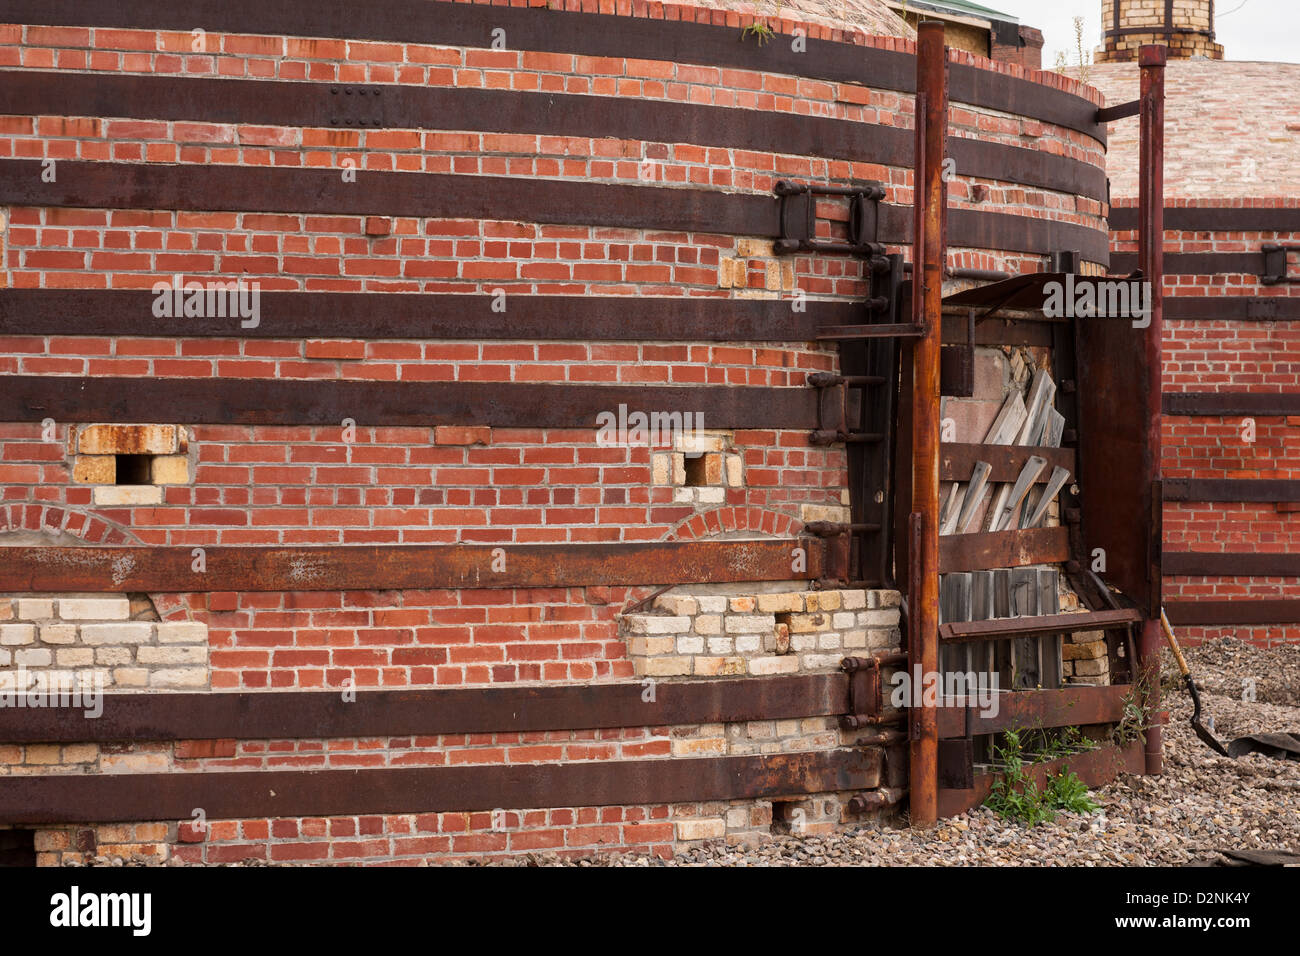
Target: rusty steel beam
{"points": [[929, 252], [225, 795], [429, 712], [1151, 239], [1003, 549], [1213, 219], [1044, 625], [1231, 489], [386, 567], [232, 401], [1235, 613], [1195, 263], [403, 315], [1262, 404], [1236, 308], [957, 459], [1096, 768], [587, 34], [198, 187], [1229, 564], [405, 106], [1064, 707]]}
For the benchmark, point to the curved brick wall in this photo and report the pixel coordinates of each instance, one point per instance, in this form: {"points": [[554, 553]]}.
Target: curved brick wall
{"points": [[308, 485]]}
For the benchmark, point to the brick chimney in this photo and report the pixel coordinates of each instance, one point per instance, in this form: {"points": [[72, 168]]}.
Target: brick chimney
{"points": [[1185, 26]]}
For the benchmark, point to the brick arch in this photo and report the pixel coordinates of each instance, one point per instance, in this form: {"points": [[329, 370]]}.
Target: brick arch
{"points": [[52, 521], [733, 518]]}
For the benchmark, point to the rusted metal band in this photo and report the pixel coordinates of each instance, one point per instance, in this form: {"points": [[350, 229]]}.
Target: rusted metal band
{"points": [[399, 315], [234, 401], [1232, 308], [1215, 218], [393, 567], [598, 35], [1064, 707], [113, 798], [429, 712], [957, 460], [196, 187], [1195, 263], [1266, 404], [1003, 549], [1237, 612], [394, 106], [1238, 564], [1043, 625], [1231, 489]]}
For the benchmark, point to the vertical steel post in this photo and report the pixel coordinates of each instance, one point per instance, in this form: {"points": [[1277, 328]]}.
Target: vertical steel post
{"points": [[1151, 216], [928, 251]]}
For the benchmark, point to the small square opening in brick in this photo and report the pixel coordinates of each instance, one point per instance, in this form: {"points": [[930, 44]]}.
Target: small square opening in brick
{"points": [[134, 470], [696, 472], [18, 848]]}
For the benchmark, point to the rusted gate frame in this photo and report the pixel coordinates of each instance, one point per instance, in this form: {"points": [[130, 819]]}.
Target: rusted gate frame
{"points": [[1003, 549], [1034, 709], [233, 401], [404, 106], [225, 795], [257, 189], [282, 715], [544, 30], [169, 569]]}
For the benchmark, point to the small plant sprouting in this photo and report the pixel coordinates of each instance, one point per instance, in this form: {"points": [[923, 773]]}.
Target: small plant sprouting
{"points": [[759, 30], [1015, 795]]}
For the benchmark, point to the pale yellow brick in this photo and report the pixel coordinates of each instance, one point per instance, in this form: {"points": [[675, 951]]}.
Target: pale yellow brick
{"points": [[131, 677], [170, 470], [784, 664], [678, 604], [661, 468], [43, 753], [754, 248], [679, 468], [1079, 652], [823, 600], [35, 609], [10, 754], [780, 603], [649, 646], [95, 469], [149, 654], [772, 277], [125, 632], [699, 746], [735, 471], [855, 600], [50, 840], [75, 656], [742, 604], [651, 624], [94, 609], [128, 440], [80, 753], [135, 763], [708, 624], [6, 609], [806, 623], [749, 624], [719, 666], [701, 829], [107, 495], [58, 633], [14, 635], [33, 657], [112, 655], [180, 677], [665, 666], [182, 632]]}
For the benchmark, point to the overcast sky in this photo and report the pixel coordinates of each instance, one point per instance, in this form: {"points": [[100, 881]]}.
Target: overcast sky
{"points": [[1256, 30]]}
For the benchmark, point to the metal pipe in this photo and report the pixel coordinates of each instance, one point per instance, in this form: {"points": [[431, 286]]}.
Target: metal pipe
{"points": [[928, 253], [1151, 208]]}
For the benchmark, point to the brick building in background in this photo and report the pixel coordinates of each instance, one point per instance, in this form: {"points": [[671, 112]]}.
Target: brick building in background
{"points": [[1232, 317]]}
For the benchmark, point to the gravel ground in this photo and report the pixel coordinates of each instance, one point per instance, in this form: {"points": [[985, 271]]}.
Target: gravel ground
{"points": [[1203, 803]]}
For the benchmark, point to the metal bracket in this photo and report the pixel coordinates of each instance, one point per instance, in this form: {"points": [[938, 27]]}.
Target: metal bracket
{"points": [[866, 702], [799, 218], [1276, 268], [356, 106]]}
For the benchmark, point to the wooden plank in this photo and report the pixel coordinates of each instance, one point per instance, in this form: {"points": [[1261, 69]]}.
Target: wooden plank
{"points": [[233, 568], [1006, 519], [958, 459], [1049, 603], [1073, 706], [1026, 668], [1003, 549], [974, 496], [1038, 625], [1054, 485]]}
